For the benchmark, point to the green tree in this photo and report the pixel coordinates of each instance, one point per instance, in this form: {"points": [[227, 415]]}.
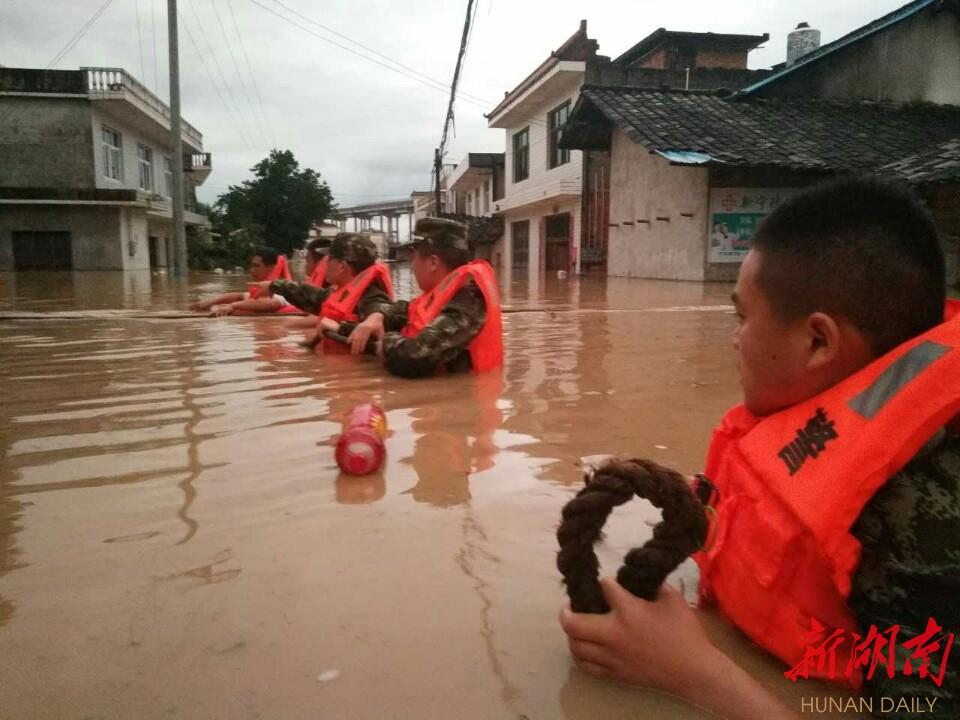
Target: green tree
{"points": [[279, 205]]}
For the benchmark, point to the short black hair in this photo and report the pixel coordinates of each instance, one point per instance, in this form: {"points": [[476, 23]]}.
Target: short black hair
{"points": [[856, 247], [269, 255], [318, 247], [451, 257]]}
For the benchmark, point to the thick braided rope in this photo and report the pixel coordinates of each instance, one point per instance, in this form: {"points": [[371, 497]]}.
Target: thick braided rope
{"points": [[681, 532]]}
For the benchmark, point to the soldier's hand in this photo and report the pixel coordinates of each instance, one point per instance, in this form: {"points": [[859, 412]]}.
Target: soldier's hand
{"points": [[221, 310], [200, 305], [371, 327]]}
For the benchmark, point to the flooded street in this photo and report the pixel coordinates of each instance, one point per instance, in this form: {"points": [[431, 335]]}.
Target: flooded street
{"points": [[176, 540]]}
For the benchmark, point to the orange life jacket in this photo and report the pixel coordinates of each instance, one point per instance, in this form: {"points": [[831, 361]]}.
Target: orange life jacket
{"points": [[341, 305], [280, 271], [791, 485], [319, 275], [486, 349]]}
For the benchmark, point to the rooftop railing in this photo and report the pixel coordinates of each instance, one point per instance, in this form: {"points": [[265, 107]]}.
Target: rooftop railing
{"points": [[105, 82]]}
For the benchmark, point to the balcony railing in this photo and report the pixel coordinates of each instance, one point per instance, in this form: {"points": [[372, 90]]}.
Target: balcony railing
{"points": [[197, 161], [105, 82]]}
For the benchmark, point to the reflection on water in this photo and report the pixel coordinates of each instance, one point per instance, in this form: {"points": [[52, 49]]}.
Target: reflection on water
{"points": [[176, 539]]}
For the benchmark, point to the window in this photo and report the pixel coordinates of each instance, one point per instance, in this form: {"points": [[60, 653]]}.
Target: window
{"points": [[145, 161], [112, 154], [168, 176], [520, 243], [521, 155], [558, 118]]}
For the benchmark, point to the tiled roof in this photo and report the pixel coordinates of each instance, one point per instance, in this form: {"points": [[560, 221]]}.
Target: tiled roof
{"points": [[939, 164], [792, 132], [861, 33]]}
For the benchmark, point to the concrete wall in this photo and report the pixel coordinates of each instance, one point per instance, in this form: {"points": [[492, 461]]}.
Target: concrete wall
{"points": [[45, 142], [542, 181], [916, 60], [131, 170], [536, 215], [133, 235], [100, 236], [647, 187]]}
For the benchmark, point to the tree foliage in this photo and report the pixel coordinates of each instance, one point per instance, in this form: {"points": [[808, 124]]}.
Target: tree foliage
{"points": [[276, 208]]}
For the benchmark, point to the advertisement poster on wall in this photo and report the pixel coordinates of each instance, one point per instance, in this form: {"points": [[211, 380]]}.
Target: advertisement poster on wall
{"points": [[734, 216]]}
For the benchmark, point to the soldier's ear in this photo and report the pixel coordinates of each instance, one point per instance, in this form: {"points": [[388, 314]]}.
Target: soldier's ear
{"points": [[822, 340]]}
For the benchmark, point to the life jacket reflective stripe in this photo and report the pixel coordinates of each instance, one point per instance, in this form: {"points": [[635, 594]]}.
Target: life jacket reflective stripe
{"points": [[791, 485], [486, 349], [319, 275], [280, 271], [341, 305]]}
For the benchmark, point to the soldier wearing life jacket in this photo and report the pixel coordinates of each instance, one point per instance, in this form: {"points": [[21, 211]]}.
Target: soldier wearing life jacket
{"points": [[359, 285], [455, 325], [836, 484], [266, 264], [317, 261]]}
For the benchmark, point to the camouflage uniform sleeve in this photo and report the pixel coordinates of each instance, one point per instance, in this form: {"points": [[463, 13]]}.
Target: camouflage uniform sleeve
{"points": [[305, 296], [443, 342], [394, 314], [376, 300], [910, 572]]}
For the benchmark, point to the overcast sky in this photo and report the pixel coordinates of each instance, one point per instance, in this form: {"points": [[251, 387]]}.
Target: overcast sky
{"points": [[368, 130]]}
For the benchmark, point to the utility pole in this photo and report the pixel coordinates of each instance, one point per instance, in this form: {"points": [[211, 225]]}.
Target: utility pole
{"points": [[436, 180], [179, 234]]}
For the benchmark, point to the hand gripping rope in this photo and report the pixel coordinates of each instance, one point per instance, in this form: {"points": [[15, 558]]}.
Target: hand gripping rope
{"points": [[682, 531]]}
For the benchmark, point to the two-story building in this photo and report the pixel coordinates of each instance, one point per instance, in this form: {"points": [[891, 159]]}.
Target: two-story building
{"points": [[692, 172], [555, 198], [478, 182], [86, 172], [541, 203]]}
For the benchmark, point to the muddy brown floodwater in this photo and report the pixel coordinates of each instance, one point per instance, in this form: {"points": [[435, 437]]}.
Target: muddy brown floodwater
{"points": [[176, 540]]}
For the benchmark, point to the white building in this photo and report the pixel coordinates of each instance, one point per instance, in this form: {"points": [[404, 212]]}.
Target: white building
{"points": [[478, 182], [541, 206], [86, 172]]}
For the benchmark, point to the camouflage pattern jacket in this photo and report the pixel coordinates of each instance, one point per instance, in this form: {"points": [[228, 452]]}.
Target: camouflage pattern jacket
{"points": [[910, 572]]}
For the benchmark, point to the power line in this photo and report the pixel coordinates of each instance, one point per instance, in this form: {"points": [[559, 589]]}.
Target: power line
{"points": [[247, 136], [143, 65], [236, 66], [449, 119], [223, 103], [253, 77], [78, 35], [375, 52], [399, 71]]}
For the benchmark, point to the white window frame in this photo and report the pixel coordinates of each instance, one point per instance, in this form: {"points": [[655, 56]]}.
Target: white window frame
{"points": [[112, 154], [145, 166], [168, 175]]}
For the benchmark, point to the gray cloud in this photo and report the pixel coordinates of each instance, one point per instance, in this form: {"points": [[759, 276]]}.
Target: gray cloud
{"points": [[368, 130]]}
